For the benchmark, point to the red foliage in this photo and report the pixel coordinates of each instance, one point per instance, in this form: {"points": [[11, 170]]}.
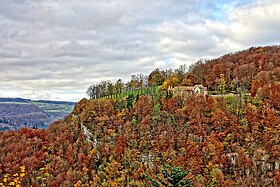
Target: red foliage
{"points": [[120, 146]]}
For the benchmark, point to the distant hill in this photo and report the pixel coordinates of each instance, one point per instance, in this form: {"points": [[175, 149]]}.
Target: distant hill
{"points": [[18, 112]]}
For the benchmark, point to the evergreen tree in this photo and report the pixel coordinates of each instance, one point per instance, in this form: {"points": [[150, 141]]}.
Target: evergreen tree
{"points": [[129, 100], [173, 177]]}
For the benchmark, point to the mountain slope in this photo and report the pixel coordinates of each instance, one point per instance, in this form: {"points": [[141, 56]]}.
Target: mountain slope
{"points": [[228, 140]]}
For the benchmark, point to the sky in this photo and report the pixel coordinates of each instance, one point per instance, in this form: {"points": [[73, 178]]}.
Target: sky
{"points": [[55, 49]]}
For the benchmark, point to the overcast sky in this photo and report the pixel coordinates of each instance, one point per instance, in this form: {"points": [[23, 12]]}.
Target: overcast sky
{"points": [[54, 49]]}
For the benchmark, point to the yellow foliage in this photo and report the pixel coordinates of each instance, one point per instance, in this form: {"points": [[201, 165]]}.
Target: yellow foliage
{"points": [[165, 85], [22, 169], [12, 183], [79, 183], [105, 184], [111, 132], [14, 179], [93, 152], [15, 175]]}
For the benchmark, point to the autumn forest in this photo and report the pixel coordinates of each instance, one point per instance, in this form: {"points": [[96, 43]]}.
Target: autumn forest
{"points": [[140, 133]]}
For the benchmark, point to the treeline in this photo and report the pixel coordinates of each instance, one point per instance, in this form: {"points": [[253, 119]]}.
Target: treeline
{"points": [[108, 88], [55, 102], [10, 99], [139, 82]]}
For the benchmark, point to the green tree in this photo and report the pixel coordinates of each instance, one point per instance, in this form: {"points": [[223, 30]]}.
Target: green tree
{"points": [[129, 100], [173, 177], [156, 111], [155, 78]]}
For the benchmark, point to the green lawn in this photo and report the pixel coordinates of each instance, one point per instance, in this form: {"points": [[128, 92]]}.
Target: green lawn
{"points": [[50, 107], [147, 91]]}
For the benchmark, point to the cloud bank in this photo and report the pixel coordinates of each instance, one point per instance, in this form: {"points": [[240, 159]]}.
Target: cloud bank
{"points": [[54, 49]]}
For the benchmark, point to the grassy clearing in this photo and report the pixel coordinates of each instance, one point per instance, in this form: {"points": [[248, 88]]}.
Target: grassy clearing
{"points": [[146, 91], [52, 110], [50, 107]]}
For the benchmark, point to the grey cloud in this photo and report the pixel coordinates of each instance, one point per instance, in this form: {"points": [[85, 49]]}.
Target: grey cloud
{"points": [[256, 24], [55, 48]]}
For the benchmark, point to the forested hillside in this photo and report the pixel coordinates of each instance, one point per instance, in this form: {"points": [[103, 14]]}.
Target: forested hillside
{"points": [[17, 112], [240, 69], [223, 140]]}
